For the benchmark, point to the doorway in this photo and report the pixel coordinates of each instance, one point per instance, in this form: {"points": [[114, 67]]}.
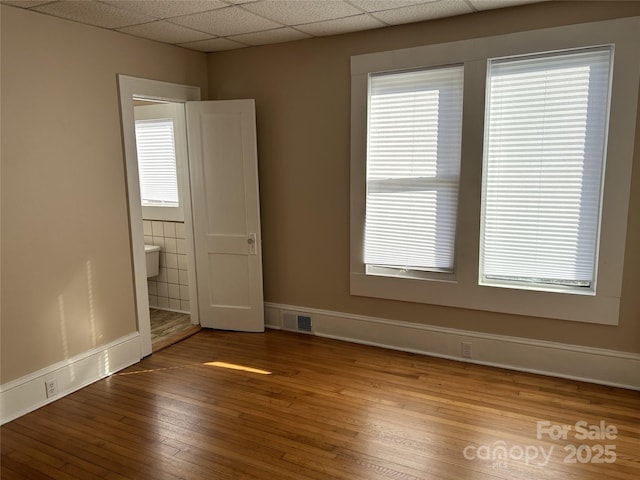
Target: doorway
{"points": [[221, 207], [154, 228], [163, 176]]}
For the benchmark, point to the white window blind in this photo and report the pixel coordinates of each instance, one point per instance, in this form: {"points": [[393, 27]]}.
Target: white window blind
{"points": [[545, 140], [157, 162], [413, 166]]}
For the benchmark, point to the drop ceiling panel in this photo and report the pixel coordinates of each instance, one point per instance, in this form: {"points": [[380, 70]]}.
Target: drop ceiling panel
{"points": [[94, 13], [26, 3], [214, 45], [167, 8], [278, 35], [295, 12], [194, 23], [341, 25], [226, 21], [166, 32], [425, 11], [378, 5]]}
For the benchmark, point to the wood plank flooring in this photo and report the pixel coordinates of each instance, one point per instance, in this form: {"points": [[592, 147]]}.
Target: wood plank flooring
{"points": [[222, 405]]}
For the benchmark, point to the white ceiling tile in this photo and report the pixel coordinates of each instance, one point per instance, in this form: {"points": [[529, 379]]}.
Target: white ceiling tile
{"points": [[167, 8], [271, 36], [93, 13], [213, 45], [251, 22], [165, 32], [296, 12], [226, 21], [378, 5], [341, 25], [25, 3], [491, 4], [426, 11]]}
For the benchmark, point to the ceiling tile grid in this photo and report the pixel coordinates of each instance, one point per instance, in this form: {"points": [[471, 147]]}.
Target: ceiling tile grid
{"points": [[217, 25], [278, 35], [296, 12], [166, 32], [214, 45], [93, 13], [342, 25], [222, 22], [167, 8], [423, 11]]}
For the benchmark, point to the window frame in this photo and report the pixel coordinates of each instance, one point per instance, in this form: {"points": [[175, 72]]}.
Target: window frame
{"points": [[464, 290]]}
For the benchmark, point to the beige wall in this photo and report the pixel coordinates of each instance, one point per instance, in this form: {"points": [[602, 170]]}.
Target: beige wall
{"points": [[303, 107], [67, 283]]}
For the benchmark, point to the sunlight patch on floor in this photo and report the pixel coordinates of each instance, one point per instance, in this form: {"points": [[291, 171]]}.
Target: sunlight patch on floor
{"points": [[229, 366], [233, 366]]}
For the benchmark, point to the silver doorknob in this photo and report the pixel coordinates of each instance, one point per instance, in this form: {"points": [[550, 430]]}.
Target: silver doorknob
{"points": [[252, 244]]}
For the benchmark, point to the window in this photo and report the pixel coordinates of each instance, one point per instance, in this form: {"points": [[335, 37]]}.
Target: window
{"points": [[161, 151], [522, 207], [157, 163], [545, 137], [413, 166]]}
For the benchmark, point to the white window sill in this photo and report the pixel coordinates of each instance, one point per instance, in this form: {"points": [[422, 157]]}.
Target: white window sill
{"points": [[167, 214], [600, 309]]}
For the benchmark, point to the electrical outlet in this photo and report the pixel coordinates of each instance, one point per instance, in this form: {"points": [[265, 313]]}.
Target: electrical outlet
{"points": [[51, 387], [466, 349]]}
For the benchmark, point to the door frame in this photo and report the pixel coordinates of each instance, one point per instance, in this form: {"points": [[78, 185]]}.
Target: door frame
{"points": [[128, 88]]}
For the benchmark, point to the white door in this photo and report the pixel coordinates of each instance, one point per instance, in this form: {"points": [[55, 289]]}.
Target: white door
{"points": [[226, 214]]}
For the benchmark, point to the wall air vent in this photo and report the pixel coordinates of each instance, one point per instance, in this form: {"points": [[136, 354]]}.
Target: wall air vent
{"points": [[296, 322]]}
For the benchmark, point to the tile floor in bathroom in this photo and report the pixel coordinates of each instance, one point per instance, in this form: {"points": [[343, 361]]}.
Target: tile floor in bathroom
{"points": [[169, 327]]}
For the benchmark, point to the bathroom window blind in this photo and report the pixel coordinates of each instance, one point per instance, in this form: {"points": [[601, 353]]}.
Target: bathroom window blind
{"points": [[157, 162], [413, 167], [545, 140]]}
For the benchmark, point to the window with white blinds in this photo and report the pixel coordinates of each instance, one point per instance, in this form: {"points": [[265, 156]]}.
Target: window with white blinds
{"points": [[413, 166], [526, 211], [545, 141], [157, 162]]}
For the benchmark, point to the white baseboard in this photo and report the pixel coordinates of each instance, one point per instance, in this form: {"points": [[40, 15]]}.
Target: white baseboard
{"points": [[23, 395], [594, 365]]}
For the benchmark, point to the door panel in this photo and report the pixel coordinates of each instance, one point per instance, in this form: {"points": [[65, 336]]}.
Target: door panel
{"points": [[231, 290], [226, 214], [223, 143]]}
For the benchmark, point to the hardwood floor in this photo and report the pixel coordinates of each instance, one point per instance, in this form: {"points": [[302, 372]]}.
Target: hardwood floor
{"points": [[222, 405]]}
